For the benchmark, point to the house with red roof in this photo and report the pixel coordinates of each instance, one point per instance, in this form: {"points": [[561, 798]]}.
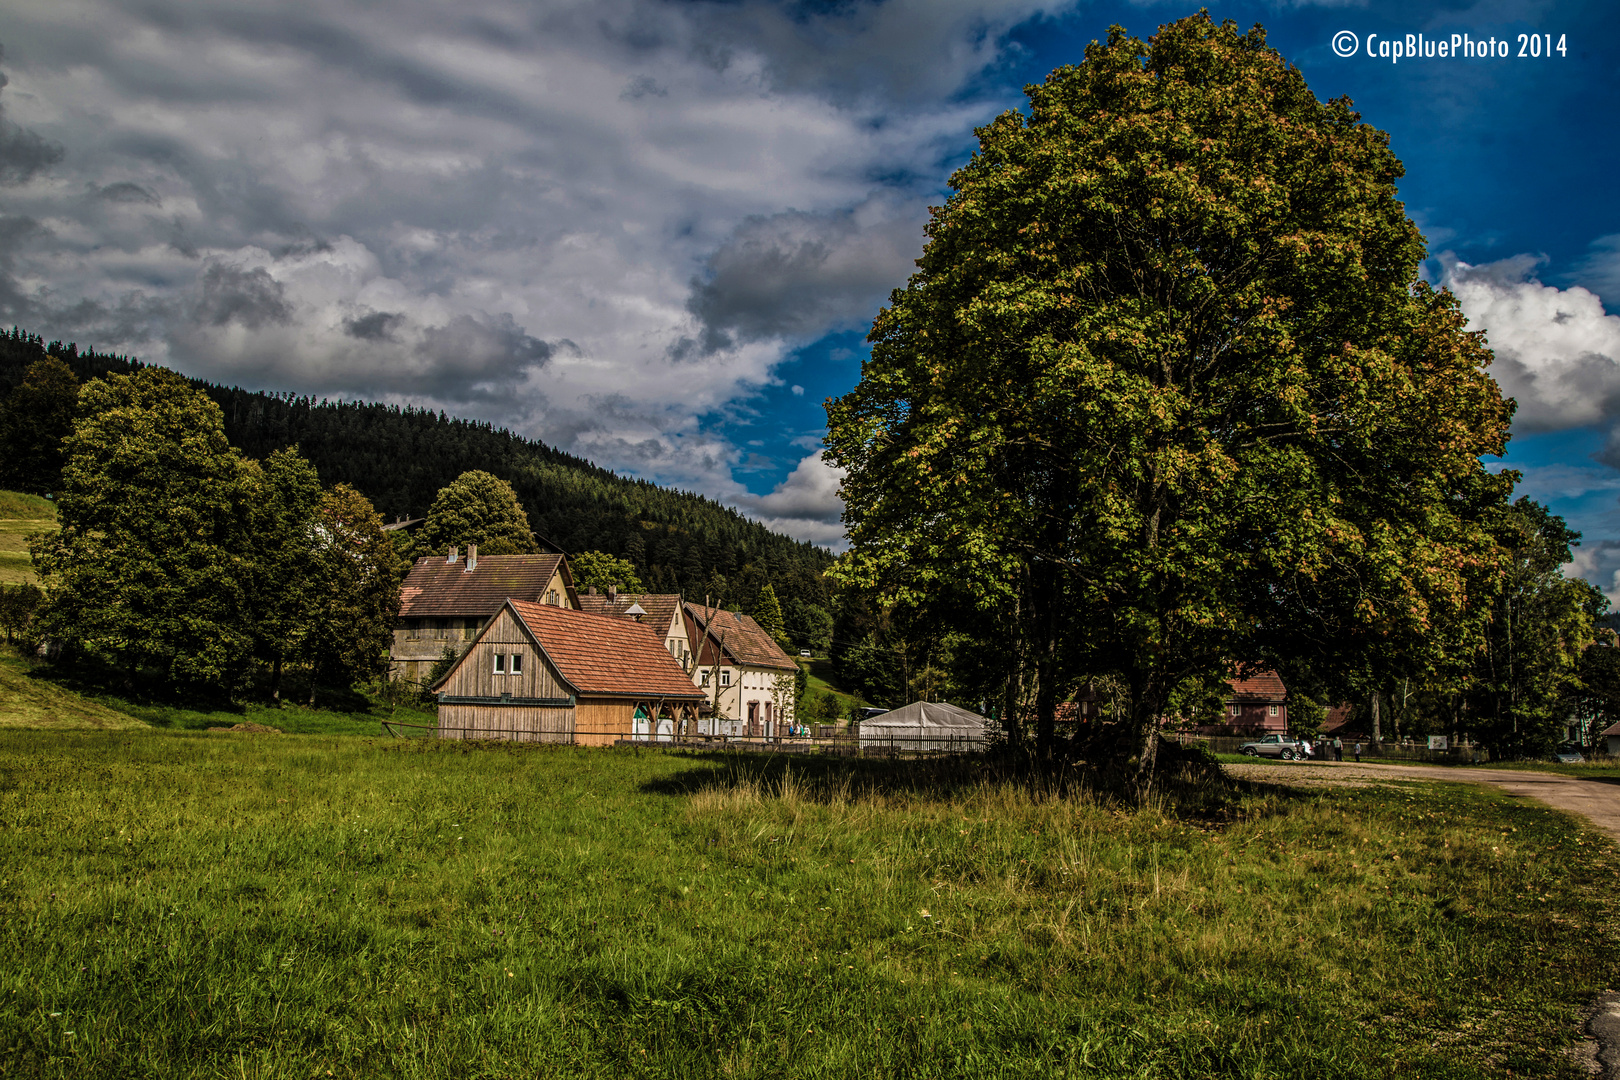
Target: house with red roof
{"points": [[746, 676], [1255, 704], [660, 611], [445, 601], [542, 672]]}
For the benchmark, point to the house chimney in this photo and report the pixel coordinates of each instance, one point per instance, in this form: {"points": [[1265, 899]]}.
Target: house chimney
{"points": [[455, 553], [591, 591], [472, 557], [613, 593]]}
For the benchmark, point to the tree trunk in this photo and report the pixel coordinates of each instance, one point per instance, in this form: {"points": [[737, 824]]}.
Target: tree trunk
{"points": [[275, 682], [1144, 741], [1378, 729]]}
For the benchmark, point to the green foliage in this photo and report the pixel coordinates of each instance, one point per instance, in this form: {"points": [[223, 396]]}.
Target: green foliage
{"points": [[1596, 695], [152, 566], [356, 588], [34, 419], [478, 508], [768, 614], [809, 626], [283, 591], [602, 570], [441, 667], [1168, 394], [18, 603]]}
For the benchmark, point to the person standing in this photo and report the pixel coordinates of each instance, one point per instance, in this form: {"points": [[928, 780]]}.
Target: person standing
{"points": [[1358, 753], [1338, 748]]}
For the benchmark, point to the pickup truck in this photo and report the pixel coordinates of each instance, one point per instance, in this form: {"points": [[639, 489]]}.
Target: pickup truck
{"points": [[1277, 746]]}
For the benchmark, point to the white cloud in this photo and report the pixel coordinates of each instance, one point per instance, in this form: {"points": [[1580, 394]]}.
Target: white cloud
{"points": [[598, 223], [1557, 350], [805, 504]]}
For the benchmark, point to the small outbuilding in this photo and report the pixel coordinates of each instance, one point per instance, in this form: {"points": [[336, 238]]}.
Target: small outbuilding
{"points": [[541, 673], [926, 725], [1609, 741]]}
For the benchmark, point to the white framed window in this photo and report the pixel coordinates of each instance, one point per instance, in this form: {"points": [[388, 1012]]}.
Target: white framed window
{"points": [[1271, 710], [515, 664], [705, 678], [500, 663], [1235, 709], [725, 678]]}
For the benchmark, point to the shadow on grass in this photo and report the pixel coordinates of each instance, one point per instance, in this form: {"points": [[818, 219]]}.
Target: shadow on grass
{"points": [[1190, 791]]}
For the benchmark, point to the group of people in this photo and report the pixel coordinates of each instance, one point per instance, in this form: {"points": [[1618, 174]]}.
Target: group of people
{"points": [[1333, 751]]}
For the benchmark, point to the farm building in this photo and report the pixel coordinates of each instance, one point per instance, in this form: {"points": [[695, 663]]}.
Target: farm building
{"points": [[444, 601], [745, 675], [543, 673]]}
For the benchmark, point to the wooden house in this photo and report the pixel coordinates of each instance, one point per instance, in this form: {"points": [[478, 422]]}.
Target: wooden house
{"points": [[544, 673], [1257, 704], [741, 670], [445, 601], [661, 612]]}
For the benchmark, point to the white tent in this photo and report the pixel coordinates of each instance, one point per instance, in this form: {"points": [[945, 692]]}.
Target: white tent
{"points": [[925, 725]]}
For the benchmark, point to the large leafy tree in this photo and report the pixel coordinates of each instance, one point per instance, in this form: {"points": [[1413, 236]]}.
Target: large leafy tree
{"points": [[1166, 395], [602, 570], [356, 591], [34, 419], [478, 508], [151, 567], [282, 594]]}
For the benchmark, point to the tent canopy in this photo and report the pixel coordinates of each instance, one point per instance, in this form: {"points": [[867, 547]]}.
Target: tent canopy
{"points": [[926, 725]]}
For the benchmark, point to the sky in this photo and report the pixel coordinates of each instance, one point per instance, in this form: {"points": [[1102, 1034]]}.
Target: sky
{"points": [[655, 233]]}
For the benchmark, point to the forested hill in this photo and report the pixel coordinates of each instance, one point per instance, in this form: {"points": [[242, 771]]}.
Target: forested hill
{"points": [[399, 457]]}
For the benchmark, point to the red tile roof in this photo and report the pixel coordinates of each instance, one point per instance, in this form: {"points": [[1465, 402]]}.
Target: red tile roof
{"points": [[437, 589], [1261, 686], [747, 644], [660, 608], [601, 654]]}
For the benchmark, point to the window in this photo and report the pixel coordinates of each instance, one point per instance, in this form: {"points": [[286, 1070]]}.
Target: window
{"points": [[705, 678], [1235, 710], [515, 664], [500, 663], [670, 645], [1272, 711], [725, 678]]}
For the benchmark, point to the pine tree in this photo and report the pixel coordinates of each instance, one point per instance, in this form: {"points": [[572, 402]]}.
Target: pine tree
{"points": [[768, 614]]}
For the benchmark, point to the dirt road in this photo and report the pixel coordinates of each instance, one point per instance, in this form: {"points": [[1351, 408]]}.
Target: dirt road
{"points": [[1596, 800]]}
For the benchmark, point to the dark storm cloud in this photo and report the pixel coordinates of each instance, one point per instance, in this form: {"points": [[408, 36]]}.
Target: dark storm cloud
{"points": [[23, 153], [797, 275], [377, 326], [477, 357], [126, 192], [250, 297]]}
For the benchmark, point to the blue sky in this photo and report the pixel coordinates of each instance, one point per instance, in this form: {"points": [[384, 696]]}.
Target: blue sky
{"points": [[654, 233]]}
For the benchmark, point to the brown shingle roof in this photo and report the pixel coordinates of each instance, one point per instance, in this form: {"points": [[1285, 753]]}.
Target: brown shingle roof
{"points": [[601, 654], [1261, 686], [436, 589], [660, 608], [746, 643]]}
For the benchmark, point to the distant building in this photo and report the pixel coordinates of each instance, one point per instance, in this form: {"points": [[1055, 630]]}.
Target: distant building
{"points": [[445, 600], [739, 667], [660, 612]]}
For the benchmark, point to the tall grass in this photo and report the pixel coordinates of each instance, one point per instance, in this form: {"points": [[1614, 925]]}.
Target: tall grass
{"points": [[205, 905]]}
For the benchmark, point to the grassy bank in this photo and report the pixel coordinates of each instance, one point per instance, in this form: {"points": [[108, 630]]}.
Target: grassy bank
{"points": [[207, 905], [21, 515]]}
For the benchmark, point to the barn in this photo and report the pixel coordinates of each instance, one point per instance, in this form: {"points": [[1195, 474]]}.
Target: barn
{"points": [[539, 673]]}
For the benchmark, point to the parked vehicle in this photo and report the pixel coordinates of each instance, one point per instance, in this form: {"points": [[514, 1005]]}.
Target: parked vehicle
{"points": [[1277, 746], [1569, 754]]}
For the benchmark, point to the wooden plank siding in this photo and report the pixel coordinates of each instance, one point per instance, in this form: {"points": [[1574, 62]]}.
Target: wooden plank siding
{"points": [[519, 723], [600, 721], [475, 677]]}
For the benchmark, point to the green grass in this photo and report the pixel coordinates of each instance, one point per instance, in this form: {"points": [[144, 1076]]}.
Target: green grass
{"points": [[187, 905], [1608, 768], [29, 702], [21, 515]]}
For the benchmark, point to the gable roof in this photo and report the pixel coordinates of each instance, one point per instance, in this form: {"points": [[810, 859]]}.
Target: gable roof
{"points": [[746, 643], [437, 588], [603, 654], [1261, 686], [661, 609]]}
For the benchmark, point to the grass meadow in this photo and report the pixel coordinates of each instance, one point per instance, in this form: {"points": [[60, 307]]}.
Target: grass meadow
{"points": [[187, 904], [21, 515]]}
